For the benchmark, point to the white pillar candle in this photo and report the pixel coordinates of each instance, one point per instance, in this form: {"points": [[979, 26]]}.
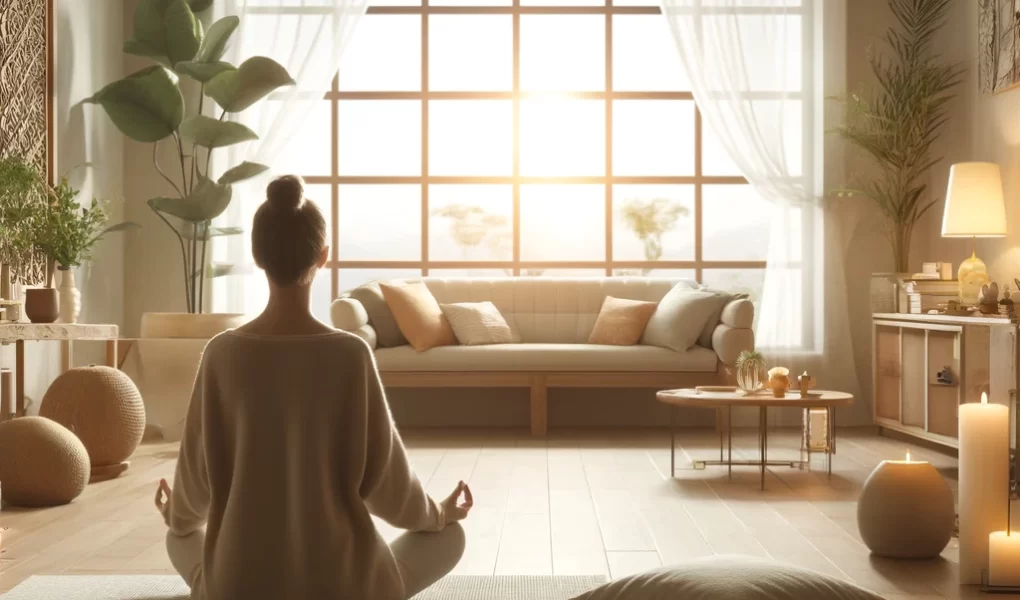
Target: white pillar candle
{"points": [[1004, 558], [984, 482]]}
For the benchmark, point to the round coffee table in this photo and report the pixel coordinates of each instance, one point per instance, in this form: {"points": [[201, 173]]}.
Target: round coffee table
{"points": [[727, 400]]}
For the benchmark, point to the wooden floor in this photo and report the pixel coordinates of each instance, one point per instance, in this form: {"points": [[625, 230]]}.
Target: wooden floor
{"points": [[577, 503]]}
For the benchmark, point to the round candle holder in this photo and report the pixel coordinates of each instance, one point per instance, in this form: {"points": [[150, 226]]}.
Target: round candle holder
{"points": [[906, 510]]}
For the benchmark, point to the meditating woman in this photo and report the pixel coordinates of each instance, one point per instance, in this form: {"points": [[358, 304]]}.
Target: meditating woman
{"points": [[289, 447]]}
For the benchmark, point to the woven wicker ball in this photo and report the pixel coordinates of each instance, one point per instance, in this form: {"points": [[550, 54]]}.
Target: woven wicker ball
{"points": [[101, 406], [41, 463]]}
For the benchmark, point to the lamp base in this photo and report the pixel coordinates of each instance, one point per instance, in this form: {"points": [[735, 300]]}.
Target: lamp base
{"points": [[971, 275]]}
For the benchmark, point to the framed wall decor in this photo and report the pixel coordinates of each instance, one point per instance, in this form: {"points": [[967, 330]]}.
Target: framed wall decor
{"points": [[999, 40], [26, 90]]}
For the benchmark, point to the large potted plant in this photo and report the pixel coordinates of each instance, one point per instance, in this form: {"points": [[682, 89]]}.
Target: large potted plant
{"points": [[66, 233], [895, 124], [150, 107]]}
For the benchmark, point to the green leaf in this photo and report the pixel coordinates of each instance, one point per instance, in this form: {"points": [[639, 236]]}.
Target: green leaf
{"points": [[146, 106], [200, 5], [188, 232], [208, 201], [214, 46], [125, 226], [213, 133], [165, 28], [215, 270], [255, 79], [245, 170], [202, 72]]}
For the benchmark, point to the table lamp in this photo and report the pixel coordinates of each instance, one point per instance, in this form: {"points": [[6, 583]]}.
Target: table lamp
{"points": [[974, 208]]}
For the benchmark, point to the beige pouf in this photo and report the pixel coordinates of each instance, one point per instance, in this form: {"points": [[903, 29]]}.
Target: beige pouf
{"points": [[101, 406], [906, 510], [41, 463]]}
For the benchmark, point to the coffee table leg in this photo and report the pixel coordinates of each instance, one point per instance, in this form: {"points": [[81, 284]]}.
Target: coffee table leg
{"points": [[831, 446], [763, 433], [672, 441], [729, 441], [719, 426]]}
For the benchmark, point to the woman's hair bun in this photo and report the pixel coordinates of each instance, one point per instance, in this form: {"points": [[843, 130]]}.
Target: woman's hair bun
{"points": [[287, 192]]}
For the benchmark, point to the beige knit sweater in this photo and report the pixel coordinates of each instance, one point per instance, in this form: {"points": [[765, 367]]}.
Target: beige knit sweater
{"points": [[289, 446]]}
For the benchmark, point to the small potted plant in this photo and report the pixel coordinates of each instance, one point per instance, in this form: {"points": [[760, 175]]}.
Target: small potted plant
{"points": [[66, 234], [22, 198]]}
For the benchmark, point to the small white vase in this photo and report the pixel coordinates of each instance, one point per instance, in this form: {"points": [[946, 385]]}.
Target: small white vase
{"points": [[70, 298]]}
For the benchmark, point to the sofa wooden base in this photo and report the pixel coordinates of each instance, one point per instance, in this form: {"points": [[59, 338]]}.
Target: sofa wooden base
{"points": [[539, 383]]}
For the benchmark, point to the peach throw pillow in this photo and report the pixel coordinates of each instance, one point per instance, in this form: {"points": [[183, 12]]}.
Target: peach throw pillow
{"points": [[621, 322], [418, 315]]}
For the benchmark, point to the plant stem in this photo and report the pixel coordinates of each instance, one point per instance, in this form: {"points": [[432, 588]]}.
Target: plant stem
{"points": [[155, 163], [208, 152], [184, 257], [194, 269], [194, 147], [180, 156], [201, 283]]}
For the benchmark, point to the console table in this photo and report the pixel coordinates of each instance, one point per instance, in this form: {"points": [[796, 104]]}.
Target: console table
{"points": [[19, 333]]}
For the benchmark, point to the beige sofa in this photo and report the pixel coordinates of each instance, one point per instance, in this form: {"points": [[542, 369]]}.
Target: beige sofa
{"points": [[553, 318]]}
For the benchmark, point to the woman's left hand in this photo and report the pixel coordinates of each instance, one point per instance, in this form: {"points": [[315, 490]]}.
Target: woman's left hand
{"points": [[163, 500]]}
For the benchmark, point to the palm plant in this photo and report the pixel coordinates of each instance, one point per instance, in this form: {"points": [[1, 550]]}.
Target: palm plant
{"points": [[149, 107], [896, 123]]}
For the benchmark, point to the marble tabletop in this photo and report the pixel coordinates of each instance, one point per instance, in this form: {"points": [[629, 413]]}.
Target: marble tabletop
{"points": [[13, 332]]}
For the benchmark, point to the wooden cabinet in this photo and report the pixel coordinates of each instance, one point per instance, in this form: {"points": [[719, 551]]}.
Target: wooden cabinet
{"points": [[910, 351]]}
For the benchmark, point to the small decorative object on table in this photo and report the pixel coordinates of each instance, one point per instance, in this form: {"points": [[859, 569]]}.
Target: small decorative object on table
{"points": [[945, 376], [779, 381], [750, 367], [1006, 308], [806, 383], [988, 298], [906, 510]]}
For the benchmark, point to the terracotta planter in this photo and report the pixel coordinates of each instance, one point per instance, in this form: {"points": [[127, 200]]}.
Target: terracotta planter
{"points": [[42, 305], [164, 363], [189, 326]]}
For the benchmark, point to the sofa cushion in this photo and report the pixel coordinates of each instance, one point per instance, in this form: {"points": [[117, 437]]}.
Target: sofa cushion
{"points": [[418, 314], [621, 322], [348, 314], [730, 578], [682, 317], [387, 331], [547, 357], [478, 323]]}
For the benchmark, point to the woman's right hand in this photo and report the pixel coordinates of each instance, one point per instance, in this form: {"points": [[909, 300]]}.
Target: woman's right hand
{"points": [[453, 508]]}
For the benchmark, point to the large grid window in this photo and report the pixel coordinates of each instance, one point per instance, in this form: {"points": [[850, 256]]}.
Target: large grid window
{"points": [[524, 137]]}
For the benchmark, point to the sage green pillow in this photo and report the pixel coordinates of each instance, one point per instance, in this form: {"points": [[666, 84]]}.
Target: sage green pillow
{"points": [[682, 317], [380, 317]]}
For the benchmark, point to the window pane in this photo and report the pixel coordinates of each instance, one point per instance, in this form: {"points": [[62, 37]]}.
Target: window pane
{"points": [[308, 149], [279, 37], [653, 222], [352, 278], [563, 222], [645, 57], [322, 295], [380, 222], [563, 53], [562, 2], [471, 137], [380, 137], [735, 223], [455, 273], [773, 54], [653, 137], [471, 222], [563, 272], [714, 158], [737, 281], [685, 274], [389, 2], [471, 53], [384, 54], [563, 137]]}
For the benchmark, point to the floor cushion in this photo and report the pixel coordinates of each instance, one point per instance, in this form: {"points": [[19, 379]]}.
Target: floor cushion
{"points": [[729, 578]]}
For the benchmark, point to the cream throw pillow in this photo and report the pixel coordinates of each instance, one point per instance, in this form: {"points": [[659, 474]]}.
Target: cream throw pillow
{"points": [[730, 578], [478, 323], [418, 315], [681, 318], [621, 322]]}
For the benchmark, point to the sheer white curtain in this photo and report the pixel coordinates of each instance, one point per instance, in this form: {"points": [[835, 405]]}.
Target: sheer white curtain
{"points": [[758, 72], [307, 37]]}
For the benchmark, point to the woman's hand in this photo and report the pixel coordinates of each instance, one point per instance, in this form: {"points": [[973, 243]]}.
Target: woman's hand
{"points": [[453, 508], [163, 500]]}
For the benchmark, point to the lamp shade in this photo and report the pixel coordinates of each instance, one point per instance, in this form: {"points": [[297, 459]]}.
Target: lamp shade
{"points": [[974, 202]]}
